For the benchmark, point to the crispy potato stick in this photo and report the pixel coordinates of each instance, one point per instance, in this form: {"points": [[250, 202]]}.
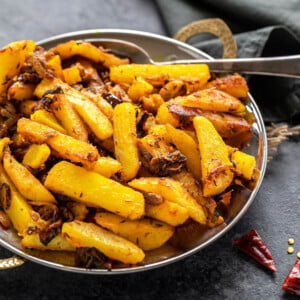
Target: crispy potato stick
{"points": [[125, 140], [139, 88], [244, 163], [234, 85], [36, 155], [47, 118], [29, 186], [127, 73], [82, 234], [172, 191], [214, 100], [66, 146], [71, 48], [20, 91], [188, 147], [91, 188], [58, 243], [12, 58], [164, 116], [215, 163], [105, 166], [147, 234], [16, 207], [168, 212], [69, 118]]}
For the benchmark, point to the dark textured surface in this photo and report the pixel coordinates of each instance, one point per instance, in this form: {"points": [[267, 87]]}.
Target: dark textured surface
{"points": [[219, 271]]}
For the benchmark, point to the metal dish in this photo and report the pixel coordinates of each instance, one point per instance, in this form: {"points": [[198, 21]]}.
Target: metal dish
{"points": [[160, 48]]}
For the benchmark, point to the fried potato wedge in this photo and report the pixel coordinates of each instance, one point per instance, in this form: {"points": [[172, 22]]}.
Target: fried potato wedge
{"points": [[82, 234], [71, 75], [96, 54], [12, 58], [147, 234], [65, 146], [215, 163], [172, 191], [106, 166], [244, 163], [20, 91], [93, 189], [160, 74], [36, 155], [29, 186], [139, 88], [164, 116], [125, 140], [213, 100], [58, 243], [3, 143]]}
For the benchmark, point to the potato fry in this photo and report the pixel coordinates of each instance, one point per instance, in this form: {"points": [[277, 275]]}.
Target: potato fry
{"points": [[71, 75], [36, 155], [188, 147], [69, 118], [127, 73], [66, 146], [29, 186], [214, 100], [139, 88], [125, 140], [106, 166], [12, 58], [20, 91], [147, 234], [82, 234], [72, 48], [164, 116], [27, 107], [54, 64], [93, 189], [58, 243], [244, 163], [3, 143], [172, 191], [215, 163]]}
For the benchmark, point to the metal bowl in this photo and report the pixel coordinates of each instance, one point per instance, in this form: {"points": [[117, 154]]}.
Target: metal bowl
{"points": [[159, 48]]}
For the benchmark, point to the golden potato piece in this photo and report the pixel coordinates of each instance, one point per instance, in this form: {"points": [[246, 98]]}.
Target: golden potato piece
{"points": [[58, 243], [93, 189], [106, 166], [71, 75], [72, 48], [215, 163], [125, 140], [82, 234], [36, 155], [20, 91], [12, 58], [29, 186], [147, 234], [244, 163], [139, 88], [172, 191], [54, 64], [127, 73], [3, 143]]}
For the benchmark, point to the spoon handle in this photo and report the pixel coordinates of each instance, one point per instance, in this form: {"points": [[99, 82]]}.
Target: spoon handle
{"points": [[286, 66]]}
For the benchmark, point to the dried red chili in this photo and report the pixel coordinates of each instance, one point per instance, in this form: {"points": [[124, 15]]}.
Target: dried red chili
{"points": [[291, 283], [253, 245]]}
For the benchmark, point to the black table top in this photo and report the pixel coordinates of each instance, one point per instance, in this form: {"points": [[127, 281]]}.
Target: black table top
{"points": [[220, 271]]}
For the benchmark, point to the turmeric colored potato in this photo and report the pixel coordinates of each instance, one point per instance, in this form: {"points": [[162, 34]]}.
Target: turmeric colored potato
{"points": [[27, 107], [215, 163], [215, 100], [147, 234], [36, 155], [188, 147], [3, 144], [82, 234], [16, 207], [29, 186], [125, 140], [12, 58], [244, 163], [65, 146], [172, 191], [173, 89], [152, 102], [164, 116], [72, 48], [58, 243], [20, 91], [234, 85], [161, 130], [93, 189], [69, 118], [54, 64], [127, 73], [106, 166], [71, 75], [168, 212], [139, 88], [47, 118]]}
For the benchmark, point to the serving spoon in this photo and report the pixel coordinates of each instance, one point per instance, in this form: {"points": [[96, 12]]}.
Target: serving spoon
{"points": [[285, 66]]}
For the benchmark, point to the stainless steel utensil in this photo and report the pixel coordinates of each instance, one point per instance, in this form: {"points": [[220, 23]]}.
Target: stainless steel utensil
{"points": [[285, 66]]}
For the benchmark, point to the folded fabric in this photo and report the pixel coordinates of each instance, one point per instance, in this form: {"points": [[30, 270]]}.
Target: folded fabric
{"points": [[278, 98]]}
